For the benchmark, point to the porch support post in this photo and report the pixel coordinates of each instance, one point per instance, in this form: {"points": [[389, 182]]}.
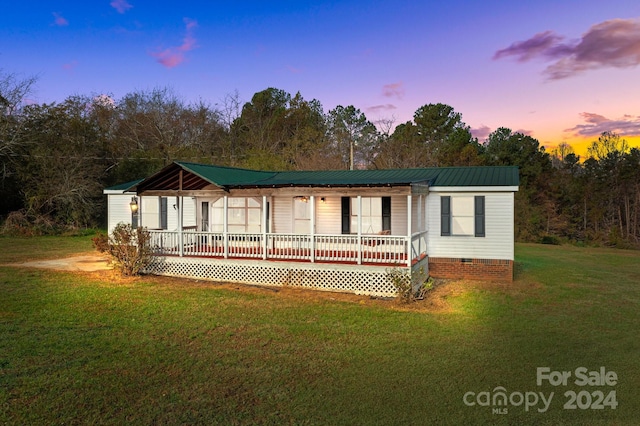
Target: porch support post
{"points": [[409, 219], [420, 218], [225, 225], [359, 229], [265, 243], [420, 223], [179, 201], [312, 231]]}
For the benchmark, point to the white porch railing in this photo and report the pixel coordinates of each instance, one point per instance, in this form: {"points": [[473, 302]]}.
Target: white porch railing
{"points": [[418, 246], [368, 249]]}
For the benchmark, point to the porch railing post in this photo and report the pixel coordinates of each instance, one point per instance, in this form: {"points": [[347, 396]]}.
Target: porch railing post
{"points": [[225, 225], [312, 232], [409, 242], [359, 229], [265, 243], [179, 201]]}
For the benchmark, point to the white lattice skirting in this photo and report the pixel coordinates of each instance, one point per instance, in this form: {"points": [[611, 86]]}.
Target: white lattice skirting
{"points": [[359, 279]]}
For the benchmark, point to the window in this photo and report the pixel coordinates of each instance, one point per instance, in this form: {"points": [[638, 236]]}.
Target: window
{"points": [[462, 215], [163, 213], [376, 214], [243, 215], [204, 226]]}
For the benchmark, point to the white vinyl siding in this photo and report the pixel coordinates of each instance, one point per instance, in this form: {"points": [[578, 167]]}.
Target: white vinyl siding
{"points": [[329, 215], [399, 215], [119, 210], [499, 230]]}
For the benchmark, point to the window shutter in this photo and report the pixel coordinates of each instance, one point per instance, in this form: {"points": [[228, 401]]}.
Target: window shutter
{"points": [[346, 215], [163, 213], [479, 216], [445, 216], [386, 213]]}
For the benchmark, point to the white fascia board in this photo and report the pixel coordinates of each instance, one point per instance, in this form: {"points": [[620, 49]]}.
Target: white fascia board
{"points": [[474, 189], [117, 192]]}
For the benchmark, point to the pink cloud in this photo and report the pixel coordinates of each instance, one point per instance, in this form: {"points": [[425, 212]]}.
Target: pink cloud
{"points": [[59, 20], [173, 56], [393, 90], [70, 66], [120, 5], [596, 124], [610, 44], [481, 133]]}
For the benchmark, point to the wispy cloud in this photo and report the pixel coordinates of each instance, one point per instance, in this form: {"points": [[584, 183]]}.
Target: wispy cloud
{"points": [[393, 90], [120, 5], [596, 124], [173, 56], [610, 44], [375, 109], [59, 20]]}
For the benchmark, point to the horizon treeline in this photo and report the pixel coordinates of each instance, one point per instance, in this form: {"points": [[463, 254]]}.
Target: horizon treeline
{"points": [[57, 158]]}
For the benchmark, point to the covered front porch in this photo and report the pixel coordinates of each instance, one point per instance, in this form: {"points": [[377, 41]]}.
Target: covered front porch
{"points": [[342, 234]]}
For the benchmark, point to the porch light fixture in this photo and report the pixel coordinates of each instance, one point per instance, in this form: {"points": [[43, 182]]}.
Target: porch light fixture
{"points": [[133, 204], [303, 199], [323, 200]]}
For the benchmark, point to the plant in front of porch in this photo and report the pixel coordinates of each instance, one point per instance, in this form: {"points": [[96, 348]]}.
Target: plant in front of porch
{"points": [[130, 249], [409, 287]]}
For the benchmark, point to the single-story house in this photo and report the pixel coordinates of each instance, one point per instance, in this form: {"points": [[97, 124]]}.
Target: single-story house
{"points": [[333, 230]]}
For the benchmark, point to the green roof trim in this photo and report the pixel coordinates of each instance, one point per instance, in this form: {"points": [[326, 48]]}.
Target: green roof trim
{"points": [[124, 187], [231, 177]]}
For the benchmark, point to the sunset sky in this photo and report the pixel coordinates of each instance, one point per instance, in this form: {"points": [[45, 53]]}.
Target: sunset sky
{"points": [[557, 70]]}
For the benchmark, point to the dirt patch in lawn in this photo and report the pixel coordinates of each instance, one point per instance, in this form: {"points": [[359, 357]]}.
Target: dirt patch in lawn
{"points": [[90, 262]]}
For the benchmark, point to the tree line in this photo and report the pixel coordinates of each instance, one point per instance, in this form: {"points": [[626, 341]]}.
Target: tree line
{"points": [[57, 158]]}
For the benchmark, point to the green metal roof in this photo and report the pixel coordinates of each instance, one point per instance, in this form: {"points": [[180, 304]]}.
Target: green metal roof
{"points": [[199, 176], [435, 176]]}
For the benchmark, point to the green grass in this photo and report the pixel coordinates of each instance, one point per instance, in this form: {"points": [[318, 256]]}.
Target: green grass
{"points": [[78, 349]]}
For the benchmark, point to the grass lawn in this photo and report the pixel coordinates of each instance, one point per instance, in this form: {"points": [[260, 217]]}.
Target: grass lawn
{"points": [[85, 348]]}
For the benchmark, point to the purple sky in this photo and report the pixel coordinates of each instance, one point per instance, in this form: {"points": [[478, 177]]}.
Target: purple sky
{"points": [[560, 71]]}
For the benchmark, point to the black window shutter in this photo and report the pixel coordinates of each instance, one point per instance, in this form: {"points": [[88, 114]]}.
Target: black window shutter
{"points": [[386, 213], [346, 215], [163, 213], [479, 216], [445, 216]]}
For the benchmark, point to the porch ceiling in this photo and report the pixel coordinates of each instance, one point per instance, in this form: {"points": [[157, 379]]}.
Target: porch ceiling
{"points": [[173, 178]]}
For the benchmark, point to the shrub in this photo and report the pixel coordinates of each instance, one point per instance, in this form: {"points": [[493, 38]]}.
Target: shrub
{"points": [[101, 242], [130, 249], [550, 239], [409, 288]]}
